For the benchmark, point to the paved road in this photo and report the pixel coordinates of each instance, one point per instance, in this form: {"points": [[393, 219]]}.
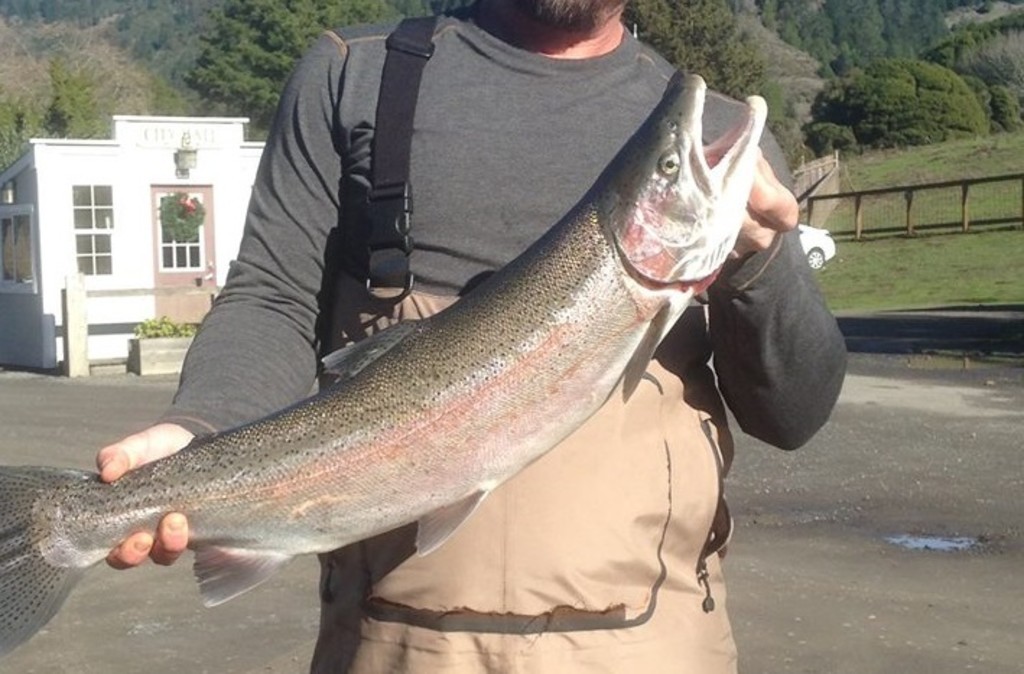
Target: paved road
{"points": [[815, 586]]}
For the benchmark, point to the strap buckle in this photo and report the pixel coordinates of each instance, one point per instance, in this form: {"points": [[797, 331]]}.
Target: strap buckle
{"points": [[389, 242]]}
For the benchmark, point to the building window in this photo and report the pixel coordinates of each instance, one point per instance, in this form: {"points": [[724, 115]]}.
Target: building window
{"points": [[94, 223], [181, 241], [16, 243]]}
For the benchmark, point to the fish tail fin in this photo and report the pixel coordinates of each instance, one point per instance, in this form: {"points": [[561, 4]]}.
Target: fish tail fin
{"points": [[31, 589]]}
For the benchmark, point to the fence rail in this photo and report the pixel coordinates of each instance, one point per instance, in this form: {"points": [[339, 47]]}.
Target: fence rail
{"points": [[74, 305], [955, 205]]}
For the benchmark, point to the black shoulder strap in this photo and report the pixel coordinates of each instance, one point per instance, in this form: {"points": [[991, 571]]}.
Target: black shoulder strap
{"points": [[390, 196]]}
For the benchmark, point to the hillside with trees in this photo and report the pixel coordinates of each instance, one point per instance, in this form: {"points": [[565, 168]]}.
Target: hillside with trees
{"points": [[838, 74]]}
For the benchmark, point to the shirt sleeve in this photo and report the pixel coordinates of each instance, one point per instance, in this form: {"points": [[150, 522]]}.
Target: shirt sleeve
{"points": [[256, 350], [778, 352]]}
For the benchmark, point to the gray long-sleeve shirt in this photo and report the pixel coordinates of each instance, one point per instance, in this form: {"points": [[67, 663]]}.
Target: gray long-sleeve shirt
{"points": [[505, 143]]}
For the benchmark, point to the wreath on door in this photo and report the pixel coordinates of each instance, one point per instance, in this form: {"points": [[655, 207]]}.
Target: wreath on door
{"points": [[181, 216]]}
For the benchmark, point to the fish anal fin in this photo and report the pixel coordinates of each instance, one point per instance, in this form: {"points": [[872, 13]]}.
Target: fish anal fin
{"points": [[223, 573], [436, 527]]}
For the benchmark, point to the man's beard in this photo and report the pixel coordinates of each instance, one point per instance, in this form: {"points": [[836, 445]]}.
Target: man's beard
{"points": [[574, 15]]}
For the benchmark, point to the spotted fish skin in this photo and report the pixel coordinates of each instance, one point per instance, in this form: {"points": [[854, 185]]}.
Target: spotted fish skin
{"points": [[427, 417]]}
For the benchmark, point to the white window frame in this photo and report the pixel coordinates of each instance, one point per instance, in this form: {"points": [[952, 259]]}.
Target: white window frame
{"points": [[176, 248], [10, 216], [100, 218]]}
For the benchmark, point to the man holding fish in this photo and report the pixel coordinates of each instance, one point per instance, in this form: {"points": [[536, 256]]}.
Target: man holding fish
{"points": [[603, 555]]}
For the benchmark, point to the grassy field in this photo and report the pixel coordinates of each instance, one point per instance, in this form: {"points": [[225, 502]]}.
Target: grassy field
{"points": [[994, 155], [927, 271], [983, 267]]}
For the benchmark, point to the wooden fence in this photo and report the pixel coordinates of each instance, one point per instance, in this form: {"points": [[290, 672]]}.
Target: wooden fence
{"points": [[74, 308], [956, 205]]}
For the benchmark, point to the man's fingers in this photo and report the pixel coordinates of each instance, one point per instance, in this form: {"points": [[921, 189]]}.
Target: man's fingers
{"points": [[133, 551], [113, 461], [172, 539], [154, 443], [771, 203]]}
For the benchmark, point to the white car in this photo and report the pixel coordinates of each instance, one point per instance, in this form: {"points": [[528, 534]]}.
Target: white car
{"points": [[818, 244]]}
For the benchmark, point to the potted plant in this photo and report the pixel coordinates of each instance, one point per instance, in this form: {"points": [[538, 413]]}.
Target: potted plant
{"points": [[159, 346]]}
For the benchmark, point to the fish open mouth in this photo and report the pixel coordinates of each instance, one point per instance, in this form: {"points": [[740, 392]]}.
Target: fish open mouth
{"points": [[729, 143]]}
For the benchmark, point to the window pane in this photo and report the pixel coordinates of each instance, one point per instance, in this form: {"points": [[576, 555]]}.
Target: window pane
{"points": [[83, 218], [7, 239], [104, 195], [23, 248], [168, 257], [103, 264], [179, 257], [81, 195], [102, 243], [83, 244], [104, 218], [193, 257], [85, 265]]}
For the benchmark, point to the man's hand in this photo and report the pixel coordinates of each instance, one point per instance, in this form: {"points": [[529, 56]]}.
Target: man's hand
{"points": [[771, 209], [117, 459]]}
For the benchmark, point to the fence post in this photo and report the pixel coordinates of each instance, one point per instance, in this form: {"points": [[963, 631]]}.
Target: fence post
{"points": [[964, 211], [909, 196], [858, 218], [76, 326]]}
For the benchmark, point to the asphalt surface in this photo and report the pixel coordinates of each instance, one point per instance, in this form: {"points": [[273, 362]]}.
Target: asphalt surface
{"points": [[925, 445]]}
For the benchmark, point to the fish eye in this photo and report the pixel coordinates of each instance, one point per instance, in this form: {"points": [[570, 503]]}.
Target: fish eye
{"points": [[669, 163]]}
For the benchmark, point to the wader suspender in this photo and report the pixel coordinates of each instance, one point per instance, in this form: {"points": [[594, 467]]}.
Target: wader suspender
{"points": [[390, 204]]}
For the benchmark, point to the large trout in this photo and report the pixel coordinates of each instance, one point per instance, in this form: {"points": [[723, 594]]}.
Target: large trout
{"points": [[428, 417]]}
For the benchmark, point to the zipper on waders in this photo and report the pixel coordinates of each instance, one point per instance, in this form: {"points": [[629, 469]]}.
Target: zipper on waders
{"points": [[721, 521]]}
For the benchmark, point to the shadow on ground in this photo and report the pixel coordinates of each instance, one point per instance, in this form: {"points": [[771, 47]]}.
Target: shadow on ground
{"points": [[982, 330]]}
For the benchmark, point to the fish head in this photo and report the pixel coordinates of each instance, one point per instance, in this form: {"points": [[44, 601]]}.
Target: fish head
{"points": [[676, 216]]}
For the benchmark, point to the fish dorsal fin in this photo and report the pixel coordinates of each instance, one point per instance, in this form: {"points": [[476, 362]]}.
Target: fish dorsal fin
{"points": [[656, 331], [224, 573], [436, 527], [348, 361]]}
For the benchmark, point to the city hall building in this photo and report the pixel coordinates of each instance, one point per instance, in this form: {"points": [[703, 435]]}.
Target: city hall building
{"points": [[148, 221]]}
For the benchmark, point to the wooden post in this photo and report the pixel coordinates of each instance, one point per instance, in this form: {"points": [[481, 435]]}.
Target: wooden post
{"points": [[810, 211], [858, 218], [909, 196], [76, 326], [965, 221]]}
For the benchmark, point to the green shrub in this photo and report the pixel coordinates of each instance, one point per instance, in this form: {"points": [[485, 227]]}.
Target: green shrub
{"points": [[163, 327], [898, 103]]}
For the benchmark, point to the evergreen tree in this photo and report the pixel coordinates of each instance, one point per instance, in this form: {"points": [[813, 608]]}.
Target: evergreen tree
{"points": [[699, 36], [251, 46], [19, 121], [72, 112]]}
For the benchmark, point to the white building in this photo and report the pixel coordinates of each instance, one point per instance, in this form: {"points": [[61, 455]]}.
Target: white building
{"points": [[93, 207]]}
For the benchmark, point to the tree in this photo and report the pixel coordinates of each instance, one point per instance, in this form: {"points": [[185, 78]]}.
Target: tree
{"points": [[857, 26], [19, 121], [700, 36], [1005, 108], [72, 111], [999, 61], [898, 102], [251, 46]]}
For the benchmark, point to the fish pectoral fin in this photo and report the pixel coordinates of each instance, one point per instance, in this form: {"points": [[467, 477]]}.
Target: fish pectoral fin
{"points": [[437, 526], [656, 331], [224, 573], [347, 362]]}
